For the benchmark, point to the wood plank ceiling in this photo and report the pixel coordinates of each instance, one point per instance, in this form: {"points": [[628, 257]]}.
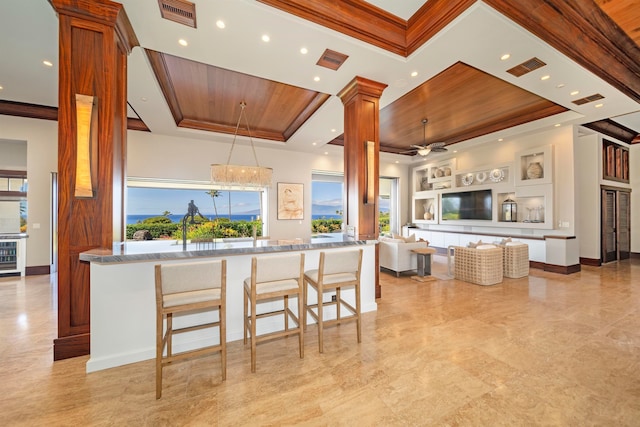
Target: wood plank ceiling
{"points": [[206, 97]]}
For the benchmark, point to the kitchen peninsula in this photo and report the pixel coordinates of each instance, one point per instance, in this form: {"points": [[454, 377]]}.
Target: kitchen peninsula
{"points": [[123, 290]]}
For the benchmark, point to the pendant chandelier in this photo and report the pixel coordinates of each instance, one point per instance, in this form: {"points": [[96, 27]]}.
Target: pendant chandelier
{"points": [[239, 176]]}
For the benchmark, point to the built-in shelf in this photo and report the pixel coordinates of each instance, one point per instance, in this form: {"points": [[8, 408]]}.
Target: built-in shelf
{"points": [[433, 176], [534, 166], [425, 209], [615, 162]]}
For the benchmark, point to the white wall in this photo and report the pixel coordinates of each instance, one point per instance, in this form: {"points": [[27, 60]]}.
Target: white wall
{"points": [[153, 156], [634, 179], [42, 159], [14, 155], [588, 179]]}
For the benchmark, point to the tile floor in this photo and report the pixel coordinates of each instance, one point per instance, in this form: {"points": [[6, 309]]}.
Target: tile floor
{"points": [[547, 349]]}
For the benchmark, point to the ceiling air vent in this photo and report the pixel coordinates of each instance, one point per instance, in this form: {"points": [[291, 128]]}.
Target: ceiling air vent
{"points": [[526, 67], [588, 99], [332, 59], [180, 11]]}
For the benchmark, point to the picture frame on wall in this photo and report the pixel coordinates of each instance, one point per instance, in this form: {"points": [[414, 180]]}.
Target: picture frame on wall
{"points": [[290, 201]]}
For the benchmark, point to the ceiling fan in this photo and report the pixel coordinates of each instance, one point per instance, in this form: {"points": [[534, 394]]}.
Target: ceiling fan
{"points": [[425, 149]]}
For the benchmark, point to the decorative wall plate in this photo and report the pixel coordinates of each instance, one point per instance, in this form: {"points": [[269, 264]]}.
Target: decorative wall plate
{"points": [[467, 179], [481, 177], [496, 175]]}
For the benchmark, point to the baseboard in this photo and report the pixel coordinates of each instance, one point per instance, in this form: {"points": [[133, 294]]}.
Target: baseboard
{"points": [[635, 255], [37, 270], [562, 269], [590, 261], [72, 346], [537, 264]]}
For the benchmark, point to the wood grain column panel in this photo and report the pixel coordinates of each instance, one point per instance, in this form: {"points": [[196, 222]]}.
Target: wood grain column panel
{"points": [[361, 100], [95, 38]]}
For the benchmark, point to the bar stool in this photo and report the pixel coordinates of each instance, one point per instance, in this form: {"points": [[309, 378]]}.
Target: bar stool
{"points": [[183, 288], [336, 270], [273, 277]]}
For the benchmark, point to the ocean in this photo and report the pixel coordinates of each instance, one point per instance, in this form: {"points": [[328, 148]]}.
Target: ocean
{"points": [[133, 219]]}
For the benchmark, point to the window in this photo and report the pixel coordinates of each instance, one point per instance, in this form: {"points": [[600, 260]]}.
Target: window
{"points": [[326, 202], [389, 219], [327, 195], [168, 202]]}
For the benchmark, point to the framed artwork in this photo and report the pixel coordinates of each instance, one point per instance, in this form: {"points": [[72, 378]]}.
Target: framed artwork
{"points": [[290, 201]]}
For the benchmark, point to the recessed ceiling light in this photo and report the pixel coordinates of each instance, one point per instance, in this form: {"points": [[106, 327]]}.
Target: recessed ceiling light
{"points": [[397, 161], [220, 24], [326, 152], [455, 151], [304, 50], [1, 87], [414, 73], [545, 77], [333, 130], [316, 79], [575, 92], [598, 105], [313, 143], [182, 42], [47, 63], [557, 125], [265, 38], [505, 57], [143, 99], [500, 139], [560, 85]]}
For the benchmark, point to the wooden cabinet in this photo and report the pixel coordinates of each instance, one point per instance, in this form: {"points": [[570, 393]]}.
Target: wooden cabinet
{"points": [[615, 162]]}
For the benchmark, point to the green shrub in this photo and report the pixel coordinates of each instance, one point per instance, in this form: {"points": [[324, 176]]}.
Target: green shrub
{"points": [[157, 230], [157, 220], [324, 225], [220, 228]]}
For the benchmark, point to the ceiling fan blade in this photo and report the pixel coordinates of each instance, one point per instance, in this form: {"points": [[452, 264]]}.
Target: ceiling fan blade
{"points": [[419, 147], [439, 149]]}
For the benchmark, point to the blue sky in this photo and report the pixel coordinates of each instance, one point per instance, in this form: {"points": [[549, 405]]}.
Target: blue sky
{"points": [[326, 199], [154, 201]]}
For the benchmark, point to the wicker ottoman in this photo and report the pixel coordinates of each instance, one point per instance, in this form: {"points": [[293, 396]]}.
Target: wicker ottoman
{"points": [[516, 260], [479, 266]]}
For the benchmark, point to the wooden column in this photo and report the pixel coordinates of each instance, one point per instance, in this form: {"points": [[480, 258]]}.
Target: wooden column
{"points": [[362, 124], [94, 41]]}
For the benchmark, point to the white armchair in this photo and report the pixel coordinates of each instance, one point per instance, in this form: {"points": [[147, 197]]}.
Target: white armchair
{"points": [[396, 255]]}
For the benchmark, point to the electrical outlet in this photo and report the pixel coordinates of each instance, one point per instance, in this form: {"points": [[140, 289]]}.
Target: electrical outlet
{"points": [[333, 298]]}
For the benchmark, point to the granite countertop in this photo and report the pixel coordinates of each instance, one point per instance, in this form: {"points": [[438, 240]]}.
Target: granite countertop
{"points": [[170, 249]]}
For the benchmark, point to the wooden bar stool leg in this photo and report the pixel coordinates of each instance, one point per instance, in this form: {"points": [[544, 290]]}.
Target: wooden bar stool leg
{"points": [[253, 335], [301, 314], [303, 311], [358, 325], [159, 347], [246, 314], [320, 326], [169, 333]]}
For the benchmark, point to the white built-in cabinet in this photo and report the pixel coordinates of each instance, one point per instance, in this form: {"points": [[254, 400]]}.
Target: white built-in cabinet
{"points": [[527, 183]]}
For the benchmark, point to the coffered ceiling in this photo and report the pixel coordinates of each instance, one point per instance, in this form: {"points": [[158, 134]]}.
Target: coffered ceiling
{"points": [[440, 59]]}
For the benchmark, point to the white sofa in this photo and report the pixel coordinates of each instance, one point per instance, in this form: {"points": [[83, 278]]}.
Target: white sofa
{"points": [[396, 255]]}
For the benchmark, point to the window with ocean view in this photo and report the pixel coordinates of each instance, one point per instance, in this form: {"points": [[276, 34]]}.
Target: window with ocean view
{"points": [[327, 203], [159, 208]]}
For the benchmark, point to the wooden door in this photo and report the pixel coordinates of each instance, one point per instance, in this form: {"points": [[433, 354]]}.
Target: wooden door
{"points": [[609, 238], [623, 225], [616, 224]]}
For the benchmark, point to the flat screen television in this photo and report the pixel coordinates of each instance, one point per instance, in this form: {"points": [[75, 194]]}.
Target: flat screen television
{"points": [[467, 205]]}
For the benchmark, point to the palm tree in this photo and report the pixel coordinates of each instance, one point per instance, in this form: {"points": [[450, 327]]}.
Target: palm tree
{"points": [[214, 194]]}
